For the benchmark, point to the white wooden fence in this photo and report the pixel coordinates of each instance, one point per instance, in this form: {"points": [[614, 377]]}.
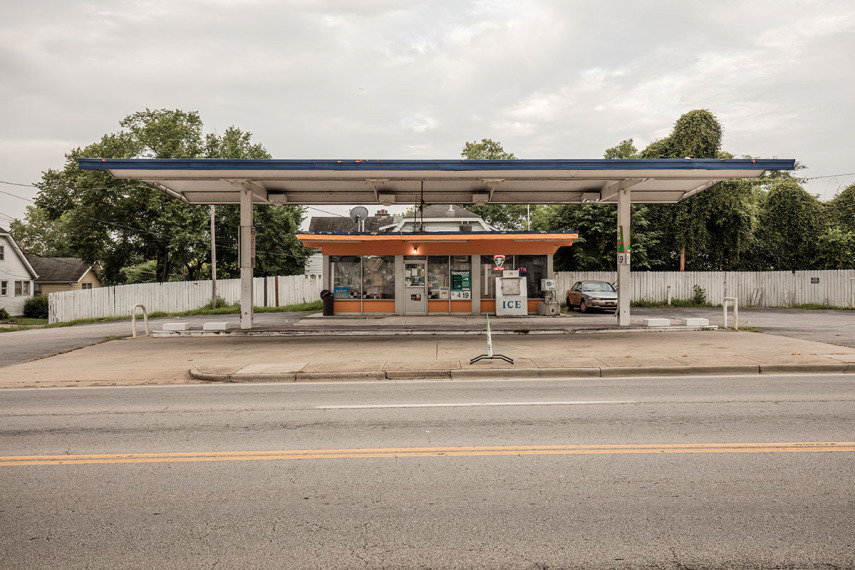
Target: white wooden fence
{"points": [[753, 288], [179, 296], [759, 289]]}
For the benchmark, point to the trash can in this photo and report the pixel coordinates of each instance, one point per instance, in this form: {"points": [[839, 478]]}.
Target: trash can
{"points": [[327, 299]]}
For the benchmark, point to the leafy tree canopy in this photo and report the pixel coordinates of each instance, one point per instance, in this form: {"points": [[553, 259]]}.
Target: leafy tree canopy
{"points": [[502, 216], [122, 223]]}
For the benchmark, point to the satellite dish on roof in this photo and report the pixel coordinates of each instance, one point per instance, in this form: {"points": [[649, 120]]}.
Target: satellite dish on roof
{"points": [[358, 215]]}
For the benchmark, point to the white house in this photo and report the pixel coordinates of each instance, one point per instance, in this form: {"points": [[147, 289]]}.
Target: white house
{"points": [[16, 276]]}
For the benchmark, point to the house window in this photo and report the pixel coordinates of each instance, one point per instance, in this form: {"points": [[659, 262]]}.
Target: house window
{"points": [[2, 252], [22, 288], [4, 288], [86, 285]]}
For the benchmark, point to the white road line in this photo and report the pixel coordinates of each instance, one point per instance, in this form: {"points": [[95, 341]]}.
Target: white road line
{"points": [[476, 404]]}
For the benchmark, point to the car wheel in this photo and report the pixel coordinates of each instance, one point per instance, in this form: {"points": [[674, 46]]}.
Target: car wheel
{"points": [[582, 306]]}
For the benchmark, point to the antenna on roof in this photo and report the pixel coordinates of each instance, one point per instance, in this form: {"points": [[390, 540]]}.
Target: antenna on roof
{"points": [[358, 215]]}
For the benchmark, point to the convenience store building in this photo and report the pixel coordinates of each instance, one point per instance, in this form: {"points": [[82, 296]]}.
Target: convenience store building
{"points": [[434, 271]]}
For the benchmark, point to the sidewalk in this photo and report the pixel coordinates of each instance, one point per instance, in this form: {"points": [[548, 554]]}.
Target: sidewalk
{"points": [[440, 348]]}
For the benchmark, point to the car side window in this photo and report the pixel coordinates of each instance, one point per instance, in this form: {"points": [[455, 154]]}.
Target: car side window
{"points": [[577, 286]]}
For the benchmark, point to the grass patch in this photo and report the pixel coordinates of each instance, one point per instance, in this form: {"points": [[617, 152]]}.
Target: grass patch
{"points": [[227, 310], [674, 303], [819, 307], [28, 321], [13, 328], [312, 307], [86, 322]]}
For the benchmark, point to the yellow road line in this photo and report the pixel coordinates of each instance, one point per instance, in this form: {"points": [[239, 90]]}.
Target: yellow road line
{"points": [[402, 452]]}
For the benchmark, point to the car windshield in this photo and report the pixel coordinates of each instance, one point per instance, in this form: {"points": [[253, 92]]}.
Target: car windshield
{"points": [[597, 287]]}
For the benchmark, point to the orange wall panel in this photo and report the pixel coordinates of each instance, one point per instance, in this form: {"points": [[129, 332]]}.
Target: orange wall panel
{"points": [[488, 306], [385, 306], [341, 306], [440, 306], [461, 306]]}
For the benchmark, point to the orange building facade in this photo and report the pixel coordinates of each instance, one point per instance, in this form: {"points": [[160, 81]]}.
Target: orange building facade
{"points": [[432, 273]]}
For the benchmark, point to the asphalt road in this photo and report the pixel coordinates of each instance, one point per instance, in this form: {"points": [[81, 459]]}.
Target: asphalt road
{"points": [[26, 345], [832, 327], [712, 472], [828, 326]]}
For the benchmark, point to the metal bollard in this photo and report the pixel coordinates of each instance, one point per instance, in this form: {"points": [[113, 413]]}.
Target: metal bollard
{"points": [[735, 302], [134, 320]]}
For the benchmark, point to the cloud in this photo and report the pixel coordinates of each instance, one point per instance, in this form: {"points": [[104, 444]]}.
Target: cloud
{"points": [[395, 78]]}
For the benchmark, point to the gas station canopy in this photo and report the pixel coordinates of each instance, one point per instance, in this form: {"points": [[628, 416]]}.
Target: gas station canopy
{"points": [[387, 182]]}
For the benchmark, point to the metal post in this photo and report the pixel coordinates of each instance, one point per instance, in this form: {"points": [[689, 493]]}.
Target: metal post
{"points": [[623, 266], [134, 320], [735, 302], [213, 263], [245, 258]]}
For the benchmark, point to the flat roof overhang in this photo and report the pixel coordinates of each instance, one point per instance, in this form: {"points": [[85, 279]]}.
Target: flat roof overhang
{"points": [[511, 243], [387, 182]]}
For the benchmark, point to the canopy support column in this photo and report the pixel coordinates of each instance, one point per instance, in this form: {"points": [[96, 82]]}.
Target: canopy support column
{"points": [[246, 251], [623, 257]]}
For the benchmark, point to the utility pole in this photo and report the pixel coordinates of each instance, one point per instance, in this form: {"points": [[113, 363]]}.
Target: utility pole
{"points": [[213, 263]]}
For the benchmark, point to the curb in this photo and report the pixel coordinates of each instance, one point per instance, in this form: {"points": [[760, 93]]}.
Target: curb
{"points": [[519, 373], [196, 333], [819, 368]]}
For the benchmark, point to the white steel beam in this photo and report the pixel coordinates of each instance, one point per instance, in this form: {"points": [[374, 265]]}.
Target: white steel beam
{"points": [[246, 258], [623, 266]]}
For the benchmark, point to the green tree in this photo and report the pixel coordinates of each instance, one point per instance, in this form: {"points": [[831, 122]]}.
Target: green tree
{"points": [[503, 216], [596, 224], [41, 235], [697, 134], [487, 149], [841, 210], [714, 229], [122, 223], [791, 224], [626, 149], [596, 248]]}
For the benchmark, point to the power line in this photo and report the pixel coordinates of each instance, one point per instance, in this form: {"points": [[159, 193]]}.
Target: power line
{"points": [[18, 184], [15, 196], [325, 212]]}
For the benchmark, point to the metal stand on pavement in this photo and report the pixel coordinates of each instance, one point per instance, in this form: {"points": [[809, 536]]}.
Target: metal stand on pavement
{"points": [[490, 355]]}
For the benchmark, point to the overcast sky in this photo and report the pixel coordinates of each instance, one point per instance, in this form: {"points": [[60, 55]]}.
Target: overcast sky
{"points": [[417, 79]]}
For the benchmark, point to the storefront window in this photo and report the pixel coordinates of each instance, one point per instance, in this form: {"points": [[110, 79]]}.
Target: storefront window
{"points": [[461, 277], [489, 272], [378, 276], [438, 278], [534, 269], [346, 272]]}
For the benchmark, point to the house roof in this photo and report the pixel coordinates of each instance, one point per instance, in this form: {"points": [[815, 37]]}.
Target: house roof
{"points": [[377, 224], [440, 211], [58, 269], [19, 253], [525, 181], [344, 225]]}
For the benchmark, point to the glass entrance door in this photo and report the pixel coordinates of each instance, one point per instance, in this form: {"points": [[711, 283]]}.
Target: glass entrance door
{"points": [[415, 292]]}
